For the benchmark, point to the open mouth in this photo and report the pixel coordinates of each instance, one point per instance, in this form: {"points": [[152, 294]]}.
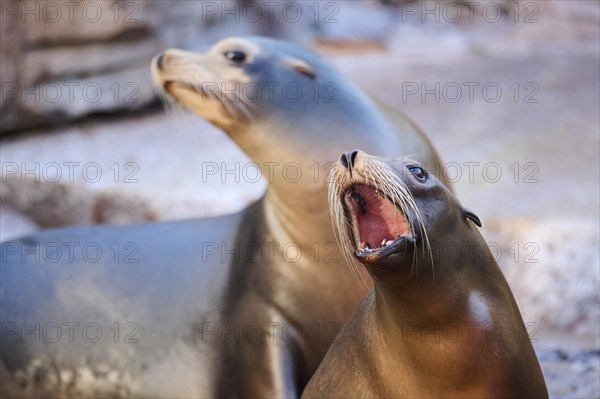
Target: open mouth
{"points": [[171, 86], [379, 228]]}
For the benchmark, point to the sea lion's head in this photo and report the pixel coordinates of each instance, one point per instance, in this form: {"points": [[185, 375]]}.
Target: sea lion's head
{"points": [[388, 212], [274, 99]]}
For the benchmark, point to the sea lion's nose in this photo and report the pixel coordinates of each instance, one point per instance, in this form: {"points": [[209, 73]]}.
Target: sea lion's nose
{"points": [[159, 61], [347, 160]]}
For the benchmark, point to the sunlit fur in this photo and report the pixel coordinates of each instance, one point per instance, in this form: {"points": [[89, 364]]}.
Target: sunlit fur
{"points": [[385, 180]]}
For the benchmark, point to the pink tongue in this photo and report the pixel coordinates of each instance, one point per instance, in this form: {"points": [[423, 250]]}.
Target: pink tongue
{"points": [[381, 222]]}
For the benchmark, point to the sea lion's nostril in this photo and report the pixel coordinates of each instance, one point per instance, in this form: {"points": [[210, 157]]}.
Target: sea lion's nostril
{"points": [[344, 160], [348, 158]]}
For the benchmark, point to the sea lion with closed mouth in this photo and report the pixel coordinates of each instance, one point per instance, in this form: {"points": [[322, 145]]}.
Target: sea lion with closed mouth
{"points": [[213, 307], [434, 325]]}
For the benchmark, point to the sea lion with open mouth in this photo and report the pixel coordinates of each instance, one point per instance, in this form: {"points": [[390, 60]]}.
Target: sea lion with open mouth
{"points": [[238, 305], [437, 323]]}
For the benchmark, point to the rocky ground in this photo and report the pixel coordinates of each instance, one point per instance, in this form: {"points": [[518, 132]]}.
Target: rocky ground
{"points": [[541, 213]]}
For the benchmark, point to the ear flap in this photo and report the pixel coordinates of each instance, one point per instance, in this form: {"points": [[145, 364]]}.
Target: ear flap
{"points": [[301, 67], [472, 217]]}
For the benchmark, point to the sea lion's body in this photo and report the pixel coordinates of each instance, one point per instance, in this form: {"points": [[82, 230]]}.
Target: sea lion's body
{"points": [[159, 292], [437, 324], [225, 324]]}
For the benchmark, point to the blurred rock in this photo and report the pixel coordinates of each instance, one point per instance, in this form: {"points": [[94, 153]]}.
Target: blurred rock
{"points": [[553, 268], [48, 43], [52, 23], [571, 371], [83, 61], [144, 169], [66, 45], [130, 88], [11, 49]]}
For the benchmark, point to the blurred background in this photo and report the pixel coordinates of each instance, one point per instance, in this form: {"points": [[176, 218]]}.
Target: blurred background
{"points": [[509, 92]]}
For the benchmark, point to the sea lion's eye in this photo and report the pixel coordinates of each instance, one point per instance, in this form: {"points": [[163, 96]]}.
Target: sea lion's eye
{"points": [[418, 173], [305, 71], [236, 56]]}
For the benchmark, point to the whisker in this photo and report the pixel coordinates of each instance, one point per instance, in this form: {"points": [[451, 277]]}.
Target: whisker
{"points": [[387, 182], [342, 227]]}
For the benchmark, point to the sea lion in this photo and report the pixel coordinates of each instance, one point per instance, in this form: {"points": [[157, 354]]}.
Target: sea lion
{"points": [[441, 320], [239, 305]]}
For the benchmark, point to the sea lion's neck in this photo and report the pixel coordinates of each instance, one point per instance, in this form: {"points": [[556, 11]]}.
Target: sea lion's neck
{"points": [[421, 302], [442, 293], [302, 220], [432, 315], [461, 315]]}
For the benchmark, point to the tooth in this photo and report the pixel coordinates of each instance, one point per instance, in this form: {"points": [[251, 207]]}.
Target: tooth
{"points": [[383, 243]]}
